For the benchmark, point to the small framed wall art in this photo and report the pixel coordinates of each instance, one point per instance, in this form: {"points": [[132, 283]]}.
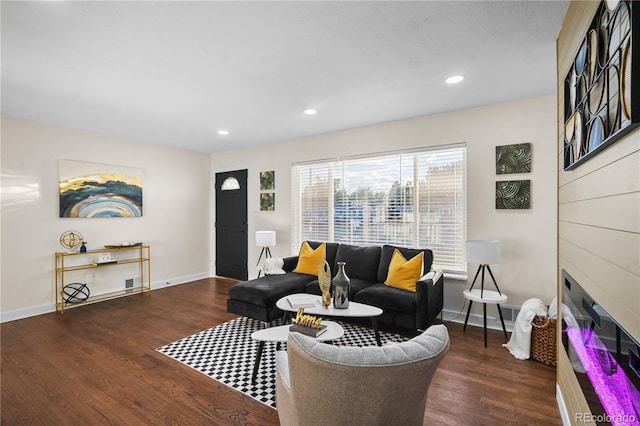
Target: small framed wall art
{"points": [[513, 194], [513, 158], [267, 180], [267, 183], [267, 201]]}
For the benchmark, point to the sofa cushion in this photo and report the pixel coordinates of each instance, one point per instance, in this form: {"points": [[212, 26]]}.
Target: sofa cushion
{"points": [[331, 250], [387, 298], [309, 259], [404, 273], [265, 291], [361, 262], [408, 253]]}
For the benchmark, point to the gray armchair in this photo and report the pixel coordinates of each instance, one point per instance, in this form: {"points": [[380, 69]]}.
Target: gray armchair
{"points": [[321, 384]]}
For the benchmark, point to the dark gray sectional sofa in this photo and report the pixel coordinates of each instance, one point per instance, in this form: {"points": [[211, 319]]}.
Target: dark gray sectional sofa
{"points": [[367, 267]]}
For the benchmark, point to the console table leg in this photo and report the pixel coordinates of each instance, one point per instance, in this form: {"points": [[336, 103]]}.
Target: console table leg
{"points": [[256, 364], [374, 324]]}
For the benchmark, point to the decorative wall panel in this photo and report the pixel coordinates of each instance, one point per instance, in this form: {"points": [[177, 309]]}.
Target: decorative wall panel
{"points": [[601, 100]]}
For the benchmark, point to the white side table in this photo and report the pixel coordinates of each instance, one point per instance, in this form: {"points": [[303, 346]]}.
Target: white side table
{"points": [[280, 334], [484, 297]]}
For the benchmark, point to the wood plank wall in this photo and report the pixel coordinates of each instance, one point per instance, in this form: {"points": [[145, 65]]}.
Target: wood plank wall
{"points": [[598, 216]]}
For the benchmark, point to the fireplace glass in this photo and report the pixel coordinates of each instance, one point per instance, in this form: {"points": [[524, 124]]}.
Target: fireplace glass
{"points": [[604, 357]]}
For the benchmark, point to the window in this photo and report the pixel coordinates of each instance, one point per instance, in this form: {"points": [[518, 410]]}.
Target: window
{"points": [[411, 199]]}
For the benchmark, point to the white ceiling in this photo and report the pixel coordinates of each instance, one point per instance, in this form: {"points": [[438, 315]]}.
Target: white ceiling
{"points": [[176, 72]]}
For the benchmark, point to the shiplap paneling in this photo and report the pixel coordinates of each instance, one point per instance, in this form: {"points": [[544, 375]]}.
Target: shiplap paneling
{"points": [[612, 179], [598, 215], [616, 212], [615, 247]]}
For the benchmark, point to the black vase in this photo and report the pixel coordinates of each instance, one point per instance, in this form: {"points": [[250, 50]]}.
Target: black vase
{"points": [[341, 283]]}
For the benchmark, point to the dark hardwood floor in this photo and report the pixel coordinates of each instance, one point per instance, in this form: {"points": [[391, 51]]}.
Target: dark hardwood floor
{"points": [[97, 364]]}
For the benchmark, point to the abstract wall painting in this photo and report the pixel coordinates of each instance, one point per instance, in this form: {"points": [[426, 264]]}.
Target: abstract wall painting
{"points": [[513, 194], [513, 158], [267, 201], [94, 190], [267, 180]]}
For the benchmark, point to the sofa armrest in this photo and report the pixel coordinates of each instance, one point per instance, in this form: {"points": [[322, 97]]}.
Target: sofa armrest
{"points": [[429, 299], [290, 263]]}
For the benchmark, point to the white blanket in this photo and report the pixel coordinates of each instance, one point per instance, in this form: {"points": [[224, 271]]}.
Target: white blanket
{"points": [[273, 266], [520, 342]]}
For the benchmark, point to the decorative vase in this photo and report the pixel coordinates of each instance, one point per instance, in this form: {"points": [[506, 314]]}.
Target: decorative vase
{"points": [[83, 247], [341, 283]]}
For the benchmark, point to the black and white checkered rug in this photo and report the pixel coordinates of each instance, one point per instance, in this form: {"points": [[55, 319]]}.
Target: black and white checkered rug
{"points": [[226, 353]]}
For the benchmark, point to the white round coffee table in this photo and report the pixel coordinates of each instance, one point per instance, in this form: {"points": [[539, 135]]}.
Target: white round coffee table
{"points": [[281, 333], [355, 310]]}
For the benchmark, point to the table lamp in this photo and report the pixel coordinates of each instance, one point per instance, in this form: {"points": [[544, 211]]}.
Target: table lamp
{"points": [[484, 252]]}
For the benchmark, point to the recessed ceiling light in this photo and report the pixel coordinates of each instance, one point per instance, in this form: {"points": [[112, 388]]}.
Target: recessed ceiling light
{"points": [[454, 79], [310, 111], [223, 132]]}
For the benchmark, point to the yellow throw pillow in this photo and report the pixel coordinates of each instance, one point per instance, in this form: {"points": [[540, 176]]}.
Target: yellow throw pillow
{"points": [[404, 273], [309, 260]]}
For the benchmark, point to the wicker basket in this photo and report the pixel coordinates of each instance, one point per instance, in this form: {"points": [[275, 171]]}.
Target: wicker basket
{"points": [[543, 340]]}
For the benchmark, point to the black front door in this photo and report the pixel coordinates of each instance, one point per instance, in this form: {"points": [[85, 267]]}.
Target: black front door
{"points": [[231, 224]]}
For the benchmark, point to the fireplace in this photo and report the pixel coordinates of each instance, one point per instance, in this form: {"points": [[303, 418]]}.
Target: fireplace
{"points": [[604, 357]]}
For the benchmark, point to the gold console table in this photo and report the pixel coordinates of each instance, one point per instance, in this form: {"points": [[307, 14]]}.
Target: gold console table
{"points": [[64, 263]]}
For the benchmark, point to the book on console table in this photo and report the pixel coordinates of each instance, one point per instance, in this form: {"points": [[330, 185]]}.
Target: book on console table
{"points": [[309, 331], [106, 262]]}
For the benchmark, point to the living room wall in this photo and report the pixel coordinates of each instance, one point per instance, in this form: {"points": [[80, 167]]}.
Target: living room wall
{"points": [[528, 236], [175, 221]]}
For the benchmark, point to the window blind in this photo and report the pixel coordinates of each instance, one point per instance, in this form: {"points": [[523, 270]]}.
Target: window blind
{"points": [[411, 199]]}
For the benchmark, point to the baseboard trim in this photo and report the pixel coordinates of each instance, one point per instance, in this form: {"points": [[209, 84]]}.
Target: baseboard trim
{"points": [[27, 312], [475, 320], [179, 280], [564, 414], [33, 311]]}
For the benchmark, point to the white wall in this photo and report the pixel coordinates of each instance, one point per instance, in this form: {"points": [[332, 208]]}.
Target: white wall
{"points": [[529, 236], [175, 222]]}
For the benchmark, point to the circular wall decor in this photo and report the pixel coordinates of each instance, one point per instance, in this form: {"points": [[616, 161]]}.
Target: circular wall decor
{"points": [[625, 80], [573, 82], [71, 240], [569, 128], [579, 135], [613, 105], [596, 94], [596, 133], [581, 58]]}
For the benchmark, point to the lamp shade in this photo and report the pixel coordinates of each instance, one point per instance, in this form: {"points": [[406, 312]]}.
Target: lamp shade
{"points": [[484, 252], [265, 238]]}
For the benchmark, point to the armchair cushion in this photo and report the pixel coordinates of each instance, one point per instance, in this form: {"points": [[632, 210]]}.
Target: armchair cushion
{"points": [[319, 384]]}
